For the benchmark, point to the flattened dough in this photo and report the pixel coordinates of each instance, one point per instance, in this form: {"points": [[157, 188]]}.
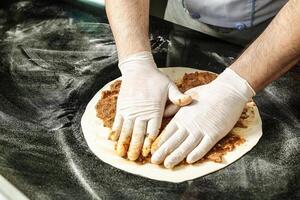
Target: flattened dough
{"points": [[96, 137]]}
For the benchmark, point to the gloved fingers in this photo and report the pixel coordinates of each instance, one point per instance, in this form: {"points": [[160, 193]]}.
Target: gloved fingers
{"points": [[169, 146], [137, 139], [164, 136], [125, 136], [177, 97], [193, 92], [201, 150], [181, 152], [153, 127], [171, 110], [116, 128]]}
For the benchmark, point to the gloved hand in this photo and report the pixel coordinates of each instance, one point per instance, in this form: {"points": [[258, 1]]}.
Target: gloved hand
{"points": [[196, 128], [141, 103]]}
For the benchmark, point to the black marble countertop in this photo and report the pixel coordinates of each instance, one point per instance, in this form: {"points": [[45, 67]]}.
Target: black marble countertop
{"points": [[55, 57]]}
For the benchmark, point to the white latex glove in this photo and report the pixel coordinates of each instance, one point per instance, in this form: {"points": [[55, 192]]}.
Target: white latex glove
{"points": [[196, 128], [141, 103]]}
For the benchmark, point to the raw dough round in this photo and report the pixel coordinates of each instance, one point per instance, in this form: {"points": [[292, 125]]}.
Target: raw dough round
{"points": [[96, 136]]}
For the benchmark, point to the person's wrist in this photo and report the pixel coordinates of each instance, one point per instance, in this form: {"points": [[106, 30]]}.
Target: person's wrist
{"points": [[141, 60], [229, 78]]}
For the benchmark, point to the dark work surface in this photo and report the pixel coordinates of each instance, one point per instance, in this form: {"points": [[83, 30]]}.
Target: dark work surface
{"points": [[55, 57]]}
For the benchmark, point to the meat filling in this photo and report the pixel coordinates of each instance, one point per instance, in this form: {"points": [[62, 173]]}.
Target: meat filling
{"points": [[106, 109]]}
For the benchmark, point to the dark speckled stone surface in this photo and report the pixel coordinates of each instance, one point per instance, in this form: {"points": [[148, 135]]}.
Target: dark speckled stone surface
{"points": [[55, 57]]}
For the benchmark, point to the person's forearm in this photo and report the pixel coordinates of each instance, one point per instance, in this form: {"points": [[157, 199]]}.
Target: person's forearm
{"points": [[129, 21], [275, 51]]}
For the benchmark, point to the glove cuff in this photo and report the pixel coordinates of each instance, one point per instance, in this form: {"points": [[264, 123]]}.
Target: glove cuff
{"points": [[231, 79], [143, 59]]}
